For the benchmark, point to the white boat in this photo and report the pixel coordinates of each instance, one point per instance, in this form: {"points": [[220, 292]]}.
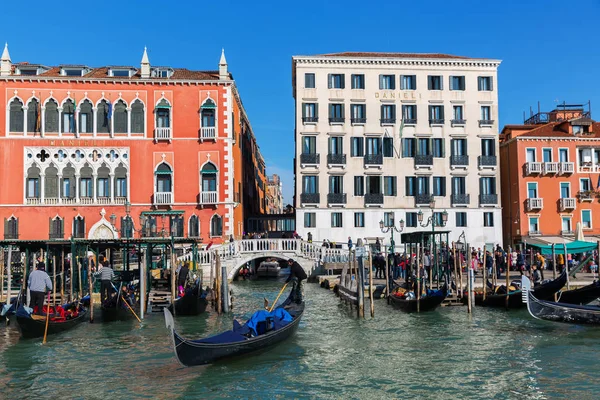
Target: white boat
{"points": [[268, 269]]}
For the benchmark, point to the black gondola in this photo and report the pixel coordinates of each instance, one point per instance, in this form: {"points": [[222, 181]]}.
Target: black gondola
{"points": [[428, 303], [558, 312], [234, 342], [193, 302], [34, 326], [115, 309], [496, 300], [546, 291], [584, 295]]}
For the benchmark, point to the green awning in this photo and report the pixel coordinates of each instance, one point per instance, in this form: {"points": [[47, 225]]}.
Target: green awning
{"points": [[575, 247], [163, 173], [209, 105], [166, 212]]}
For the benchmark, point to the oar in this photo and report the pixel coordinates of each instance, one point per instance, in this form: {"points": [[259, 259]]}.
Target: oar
{"points": [[47, 318], [275, 302], [127, 304]]}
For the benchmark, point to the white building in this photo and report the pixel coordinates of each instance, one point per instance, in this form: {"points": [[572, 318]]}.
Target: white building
{"points": [[379, 134]]}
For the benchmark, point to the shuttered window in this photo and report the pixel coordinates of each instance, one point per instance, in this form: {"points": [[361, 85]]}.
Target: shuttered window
{"points": [[120, 117], [79, 227], [102, 123], [137, 117], [194, 228], [216, 226], [86, 117], [51, 117], [16, 116], [33, 109]]}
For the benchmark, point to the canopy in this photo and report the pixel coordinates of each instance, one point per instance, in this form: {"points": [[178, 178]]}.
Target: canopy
{"points": [[572, 248]]}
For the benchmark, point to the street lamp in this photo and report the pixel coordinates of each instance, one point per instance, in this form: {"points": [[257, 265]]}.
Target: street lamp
{"points": [[391, 228], [434, 222]]}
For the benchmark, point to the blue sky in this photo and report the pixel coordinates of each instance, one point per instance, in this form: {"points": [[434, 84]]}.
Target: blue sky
{"points": [[550, 49]]}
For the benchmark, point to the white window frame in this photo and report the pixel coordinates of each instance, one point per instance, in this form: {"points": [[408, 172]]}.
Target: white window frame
{"points": [[551, 154], [560, 190], [562, 219], [536, 190], [591, 220], [534, 154], [537, 224], [581, 186], [568, 155]]}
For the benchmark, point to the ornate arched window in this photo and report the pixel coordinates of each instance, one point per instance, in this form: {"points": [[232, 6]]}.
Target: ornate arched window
{"points": [[11, 228], [137, 117], [164, 178], [194, 227], [33, 183], [68, 117], [16, 116], [51, 116], [34, 122], [86, 117], [120, 117], [79, 227], [56, 228], [216, 226], [163, 114], [102, 120]]}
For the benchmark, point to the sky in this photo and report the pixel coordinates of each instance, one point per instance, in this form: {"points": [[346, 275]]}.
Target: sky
{"points": [[550, 50]]}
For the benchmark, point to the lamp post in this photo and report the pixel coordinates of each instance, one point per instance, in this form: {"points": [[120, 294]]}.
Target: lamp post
{"points": [[391, 228], [432, 220]]}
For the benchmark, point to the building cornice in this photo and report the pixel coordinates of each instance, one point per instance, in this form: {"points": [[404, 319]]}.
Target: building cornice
{"points": [[548, 138], [154, 81], [478, 63]]}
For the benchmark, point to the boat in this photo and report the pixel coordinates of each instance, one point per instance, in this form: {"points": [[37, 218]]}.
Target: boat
{"points": [[547, 290], [268, 269], [558, 312], [427, 303], [584, 295], [496, 300], [33, 326], [242, 339], [115, 309], [193, 302]]}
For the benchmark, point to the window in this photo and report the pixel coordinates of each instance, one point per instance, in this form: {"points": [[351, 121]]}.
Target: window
{"points": [[388, 219], [484, 83], [73, 72], [434, 82], [79, 227], [103, 187], [50, 117], [309, 81], [208, 116], [216, 226], [359, 186], [422, 185], [120, 117], [411, 219], [461, 219], [547, 155], [578, 129], [436, 114], [310, 184], [439, 186], [487, 185], [336, 113], [488, 147], [358, 81], [459, 147], [102, 123], [585, 184], [566, 224], [409, 113], [438, 148], [409, 147], [486, 113], [28, 72], [336, 220], [565, 190], [586, 219], [119, 73], [176, 226], [163, 115], [457, 83], [209, 177], [121, 187], [488, 219], [358, 113], [336, 81], [66, 188], [410, 183], [359, 219], [533, 225], [11, 228], [408, 82], [16, 116], [424, 147], [336, 184], [310, 112], [336, 145], [137, 117], [86, 116], [563, 155], [388, 114], [373, 146], [387, 82], [459, 185], [437, 219], [85, 187], [127, 227], [457, 113], [56, 228], [34, 115], [529, 154], [373, 185], [532, 192], [388, 147], [310, 220], [68, 117], [33, 188], [389, 186], [309, 145], [358, 147], [163, 178]]}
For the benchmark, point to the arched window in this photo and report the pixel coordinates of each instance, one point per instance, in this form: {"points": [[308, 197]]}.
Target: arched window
{"points": [[33, 183], [209, 177], [102, 122], [120, 117], [56, 228], [86, 117], [79, 227], [16, 116], [194, 227], [11, 228], [176, 225], [67, 185], [208, 113], [163, 178], [103, 182], [163, 114], [68, 117], [86, 186], [216, 226], [51, 182], [34, 123], [51, 116], [137, 117], [121, 181]]}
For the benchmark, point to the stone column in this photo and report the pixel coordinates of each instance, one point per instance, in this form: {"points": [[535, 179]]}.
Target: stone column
{"points": [[95, 184], [61, 128], [59, 176], [111, 177], [42, 187], [77, 176], [25, 109], [129, 122], [94, 118]]}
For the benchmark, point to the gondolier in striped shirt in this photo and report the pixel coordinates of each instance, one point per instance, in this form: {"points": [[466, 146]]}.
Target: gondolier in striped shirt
{"points": [[106, 275], [39, 283]]}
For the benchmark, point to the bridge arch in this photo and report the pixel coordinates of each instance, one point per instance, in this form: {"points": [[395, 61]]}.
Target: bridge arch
{"points": [[235, 264]]}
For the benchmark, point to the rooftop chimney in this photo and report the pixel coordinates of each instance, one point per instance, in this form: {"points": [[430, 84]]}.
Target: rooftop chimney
{"points": [[145, 69], [223, 74], [5, 63]]}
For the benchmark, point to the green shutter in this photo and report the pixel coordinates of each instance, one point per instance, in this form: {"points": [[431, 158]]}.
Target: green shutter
{"points": [[329, 82]]}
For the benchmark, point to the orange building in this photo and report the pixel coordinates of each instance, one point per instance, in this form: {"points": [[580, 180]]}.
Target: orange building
{"points": [[550, 176], [121, 151]]}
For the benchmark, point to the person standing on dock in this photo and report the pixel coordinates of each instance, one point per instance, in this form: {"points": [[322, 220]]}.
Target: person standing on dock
{"points": [[297, 277], [106, 274], [39, 283]]}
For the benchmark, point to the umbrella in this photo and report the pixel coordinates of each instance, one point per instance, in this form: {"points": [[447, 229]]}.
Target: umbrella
{"points": [[579, 233]]}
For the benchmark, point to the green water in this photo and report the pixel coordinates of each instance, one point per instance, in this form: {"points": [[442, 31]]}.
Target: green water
{"points": [[441, 354]]}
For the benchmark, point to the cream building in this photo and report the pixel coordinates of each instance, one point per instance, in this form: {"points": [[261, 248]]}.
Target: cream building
{"points": [[380, 135]]}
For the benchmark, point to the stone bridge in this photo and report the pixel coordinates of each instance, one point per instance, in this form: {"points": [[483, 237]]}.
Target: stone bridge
{"points": [[236, 254]]}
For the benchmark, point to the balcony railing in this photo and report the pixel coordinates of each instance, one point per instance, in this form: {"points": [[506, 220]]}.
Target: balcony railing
{"points": [[410, 121], [567, 203], [336, 159], [310, 158], [550, 168], [358, 120], [424, 160], [535, 203], [83, 200], [11, 235], [373, 198], [103, 200], [532, 168], [487, 161], [51, 200], [86, 200], [373, 159], [336, 120], [163, 198], [33, 201], [310, 198], [388, 121], [208, 133], [120, 200], [209, 197], [486, 122], [488, 199], [336, 198], [461, 199], [586, 195], [436, 121], [458, 122], [423, 199], [57, 235], [566, 168], [162, 134], [459, 160], [310, 120]]}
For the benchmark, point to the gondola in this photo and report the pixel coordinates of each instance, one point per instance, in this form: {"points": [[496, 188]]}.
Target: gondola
{"points": [[546, 291], [193, 302], [584, 295], [115, 309], [428, 303], [558, 312], [33, 326], [496, 300], [242, 339]]}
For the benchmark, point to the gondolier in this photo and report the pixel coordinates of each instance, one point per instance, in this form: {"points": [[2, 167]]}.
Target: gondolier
{"points": [[106, 274], [39, 283], [297, 277]]}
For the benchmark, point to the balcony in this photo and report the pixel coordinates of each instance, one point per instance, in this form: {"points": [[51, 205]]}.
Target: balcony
{"points": [[424, 160], [566, 168], [209, 197], [310, 120], [410, 121], [310, 198], [208, 133], [33, 201], [461, 199], [163, 198], [487, 161], [373, 199], [550, 168], [103, 200], [310, 158], [586, 195], [423, 200], [534, 203], [85, 200], [459, 161], [458, 122], [358, 121], [488, 199], [436, 121], [388, 121], [533, 168], [161, 134], [336, 198], [486, 122], [373, 159], [120, 200], [336, 159], [336, 120], [567, 203]]}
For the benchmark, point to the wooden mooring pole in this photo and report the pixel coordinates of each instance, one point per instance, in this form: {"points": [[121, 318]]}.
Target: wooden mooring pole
{"points": [[484, 274], [91, 290], [387, 278], [507, 272], [2, 267], [372, 305], [469, 281], [554, 268]]}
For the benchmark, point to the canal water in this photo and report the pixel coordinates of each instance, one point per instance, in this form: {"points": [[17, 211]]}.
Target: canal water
{"points": [[441, 354]]}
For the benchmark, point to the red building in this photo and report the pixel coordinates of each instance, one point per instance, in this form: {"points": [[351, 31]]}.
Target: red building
{"points": [[89, 152]]}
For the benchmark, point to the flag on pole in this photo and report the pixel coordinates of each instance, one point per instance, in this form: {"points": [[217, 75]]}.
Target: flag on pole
{"points": [[38, 117], [109, 114], [401, 129], [74, 117]]}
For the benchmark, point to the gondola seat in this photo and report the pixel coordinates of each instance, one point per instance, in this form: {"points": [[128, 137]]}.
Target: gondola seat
{"points": [[225, 337]]}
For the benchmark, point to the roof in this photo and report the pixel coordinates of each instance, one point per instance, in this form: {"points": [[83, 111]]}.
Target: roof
{"points": [[557, 129], [359, 54]]}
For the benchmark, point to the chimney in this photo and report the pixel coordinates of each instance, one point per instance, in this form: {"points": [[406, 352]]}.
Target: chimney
{"points": [[5, 63], [145, 68], [223, 74]]}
